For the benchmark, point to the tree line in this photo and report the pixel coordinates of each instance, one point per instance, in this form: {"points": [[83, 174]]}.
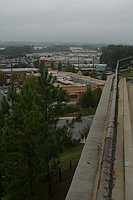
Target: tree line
{"points": [[17, 51], [112, 53]]}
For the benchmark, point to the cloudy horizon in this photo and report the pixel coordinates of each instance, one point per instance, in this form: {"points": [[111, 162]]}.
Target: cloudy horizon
{"points": [[96, 21]]}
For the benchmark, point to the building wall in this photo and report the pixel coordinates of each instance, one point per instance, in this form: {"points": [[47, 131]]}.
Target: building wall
{"points": [[74, 92]]}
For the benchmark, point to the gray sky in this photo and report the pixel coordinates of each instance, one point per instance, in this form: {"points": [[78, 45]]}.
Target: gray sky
{"points": [[104, 21]]}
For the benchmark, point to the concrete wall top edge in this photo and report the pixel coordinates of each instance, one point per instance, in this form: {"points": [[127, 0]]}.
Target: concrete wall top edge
{"points": [[90, 151]]}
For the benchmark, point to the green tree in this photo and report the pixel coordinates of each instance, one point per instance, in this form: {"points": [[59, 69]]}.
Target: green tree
{"points": [[112, 53], [32, 82], [85, 99], [90, 98], [12, 95], [16, 77], [22, 160], [104, 76], [52, 65], [93, 74], [96, 95], [17, 51], [50, 94], [31, 139], [4, 111], [2, 78]]}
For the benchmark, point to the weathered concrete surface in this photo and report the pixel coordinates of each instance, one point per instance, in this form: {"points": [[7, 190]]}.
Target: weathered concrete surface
{"points": [[83, 183], [128, 139], [118, 190]]}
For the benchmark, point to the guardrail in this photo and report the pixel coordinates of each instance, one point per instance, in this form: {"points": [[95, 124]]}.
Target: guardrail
{"points": [[90, 180], [106, 182]]}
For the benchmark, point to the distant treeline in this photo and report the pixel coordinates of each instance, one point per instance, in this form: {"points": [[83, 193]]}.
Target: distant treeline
{"points": [[112, 53], [21, 50], [16, 51]]}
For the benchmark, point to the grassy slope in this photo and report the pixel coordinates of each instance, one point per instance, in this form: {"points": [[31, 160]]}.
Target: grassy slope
{"points": [[72, 154]]}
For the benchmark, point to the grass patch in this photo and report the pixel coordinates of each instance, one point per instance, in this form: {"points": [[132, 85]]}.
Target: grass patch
{"points": [[82, 112], [72, 154], [86, 111], [128, 74]]}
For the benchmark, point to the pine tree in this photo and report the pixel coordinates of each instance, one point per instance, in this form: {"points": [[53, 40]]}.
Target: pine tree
{"points": [[21, 139], [32, 140], [4, 111], [49, 94], [2, 78]]}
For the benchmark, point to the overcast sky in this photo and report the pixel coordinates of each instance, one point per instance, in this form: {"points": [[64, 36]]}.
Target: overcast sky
{"points": [[98, 21]]}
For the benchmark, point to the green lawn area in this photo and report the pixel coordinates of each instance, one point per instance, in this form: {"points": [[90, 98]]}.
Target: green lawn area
{"points": [[72, 154], [128, 74], [82, 112], [85, 111]]}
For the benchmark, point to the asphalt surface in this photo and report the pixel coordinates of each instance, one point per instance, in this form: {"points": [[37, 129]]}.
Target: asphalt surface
{"points": [[78, 126]]}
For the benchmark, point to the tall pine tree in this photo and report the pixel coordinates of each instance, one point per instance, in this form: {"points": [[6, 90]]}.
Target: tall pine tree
{"points": [[31, 139]]}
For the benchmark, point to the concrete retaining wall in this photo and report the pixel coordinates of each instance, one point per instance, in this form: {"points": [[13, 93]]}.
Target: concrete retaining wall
{"points": [[83, 183]]}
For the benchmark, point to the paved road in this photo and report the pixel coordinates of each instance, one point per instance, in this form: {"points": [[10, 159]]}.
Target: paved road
{"points": [[78, 126]]}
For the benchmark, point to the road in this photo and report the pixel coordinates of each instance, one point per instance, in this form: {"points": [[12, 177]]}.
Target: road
{"points": [[78, 126]]}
